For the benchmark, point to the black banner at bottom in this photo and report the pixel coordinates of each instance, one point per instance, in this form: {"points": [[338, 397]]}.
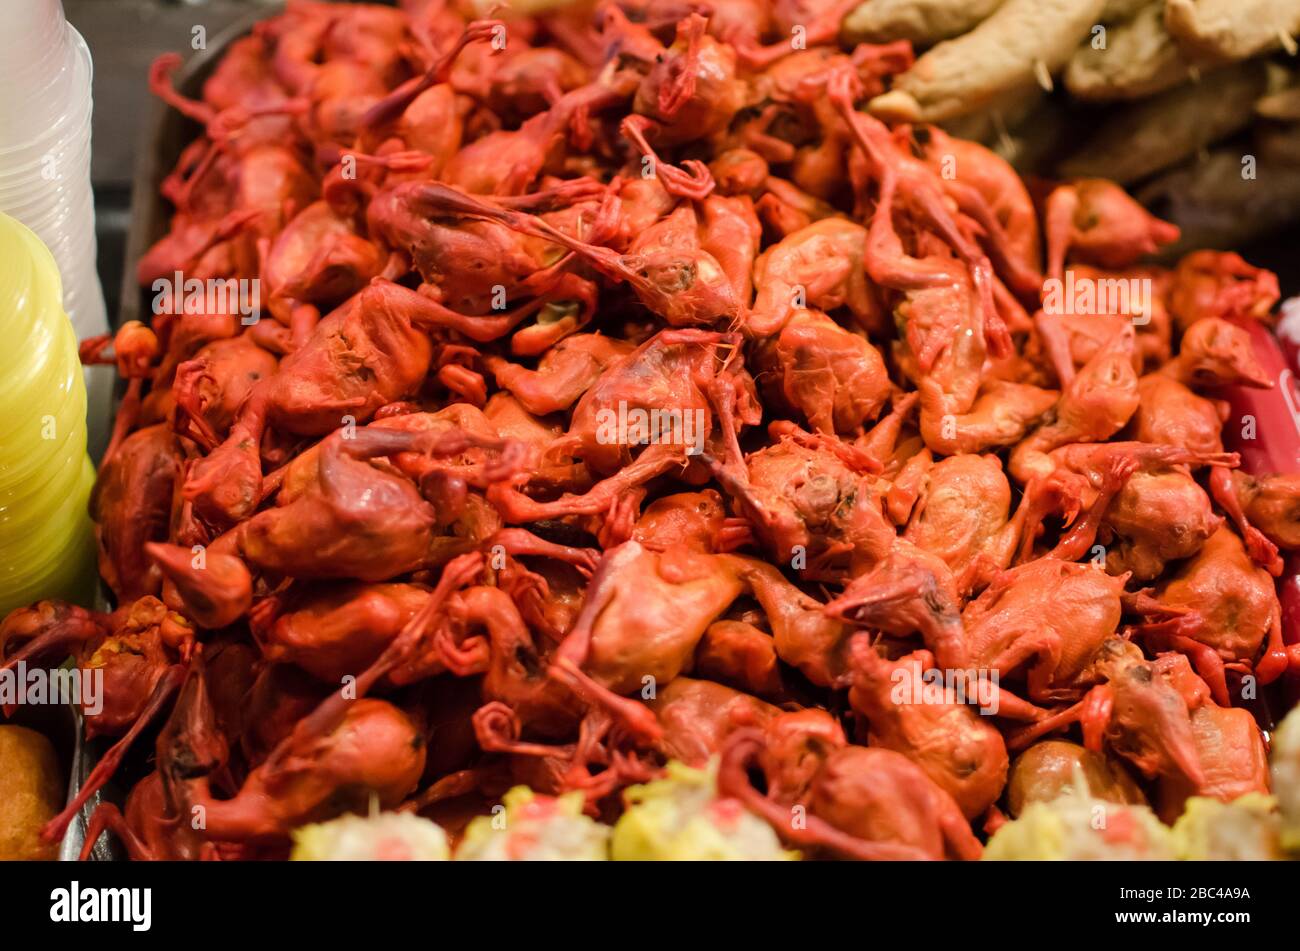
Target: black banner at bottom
{"points": [[138, 902]]}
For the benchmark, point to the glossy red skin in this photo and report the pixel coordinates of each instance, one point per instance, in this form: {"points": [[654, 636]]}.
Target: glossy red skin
{"points": [[485, 655], [131, 505]]}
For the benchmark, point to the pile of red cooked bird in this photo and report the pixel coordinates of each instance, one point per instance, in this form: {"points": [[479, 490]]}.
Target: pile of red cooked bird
{"points": [[621, 394]]}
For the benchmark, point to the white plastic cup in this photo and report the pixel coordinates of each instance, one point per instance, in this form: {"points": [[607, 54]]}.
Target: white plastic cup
{"points": [[34, 50], [45, 113]]}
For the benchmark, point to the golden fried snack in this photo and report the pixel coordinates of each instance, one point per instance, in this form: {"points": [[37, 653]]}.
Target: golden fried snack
{"points": [[1160, 132], [31, 792], [1139, 58], [1021, 43], [924, 22], [1246, 829], [1229, 30]]}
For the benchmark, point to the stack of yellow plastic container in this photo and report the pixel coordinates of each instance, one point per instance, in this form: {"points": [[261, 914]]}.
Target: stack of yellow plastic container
{"points": [[46, 537]]}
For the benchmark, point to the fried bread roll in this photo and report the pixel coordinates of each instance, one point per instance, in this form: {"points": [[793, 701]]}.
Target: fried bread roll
{"points": [[924, 22], [1139, 58], [1160, 132], [1229, 30], [31, 792], [1022, 42]]}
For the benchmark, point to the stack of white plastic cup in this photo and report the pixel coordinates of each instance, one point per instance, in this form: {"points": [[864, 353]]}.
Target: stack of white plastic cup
{"points": [[45, 106]]}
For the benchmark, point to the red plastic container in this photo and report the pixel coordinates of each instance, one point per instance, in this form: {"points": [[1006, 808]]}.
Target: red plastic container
{"points": [[1276, 446]]}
